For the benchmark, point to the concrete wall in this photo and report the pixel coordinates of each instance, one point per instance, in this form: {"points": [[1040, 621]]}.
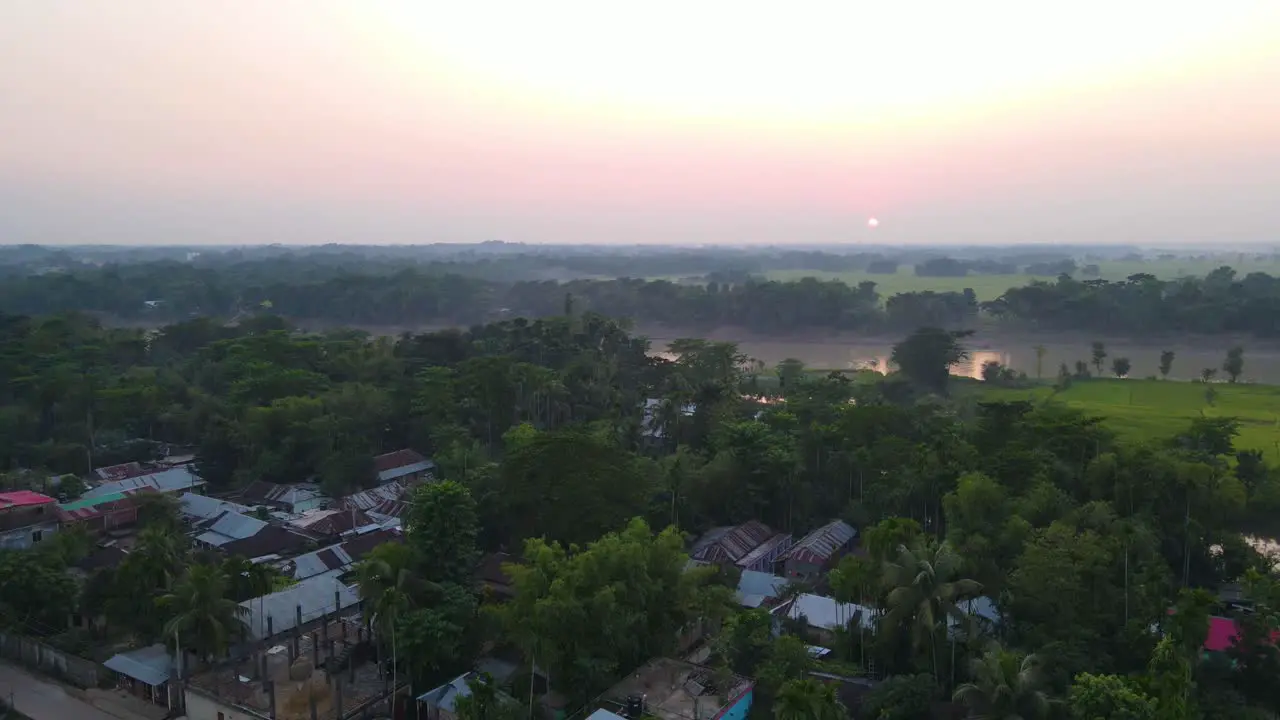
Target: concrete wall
{"points": [[24, 537], [47, 659], [738, 709], [203, 707]]}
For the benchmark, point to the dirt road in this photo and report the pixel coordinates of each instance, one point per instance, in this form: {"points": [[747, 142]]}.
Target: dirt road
{"points": [[42, 700]]}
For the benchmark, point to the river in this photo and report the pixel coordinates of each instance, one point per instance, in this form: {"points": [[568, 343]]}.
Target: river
{"points": [[1261, 362]]}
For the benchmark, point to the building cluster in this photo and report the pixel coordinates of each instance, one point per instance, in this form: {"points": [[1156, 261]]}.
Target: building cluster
{"points": [[306, 650]]}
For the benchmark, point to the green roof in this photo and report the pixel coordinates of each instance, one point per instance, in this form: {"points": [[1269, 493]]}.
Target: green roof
{"points": [[91, 502]]}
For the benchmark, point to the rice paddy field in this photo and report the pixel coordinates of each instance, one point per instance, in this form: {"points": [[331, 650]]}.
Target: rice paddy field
{"points": [[990, 287], [1158, 409]]}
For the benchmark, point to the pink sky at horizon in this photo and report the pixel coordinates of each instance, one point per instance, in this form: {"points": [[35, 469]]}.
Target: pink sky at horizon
{"points": [[396, 121]]}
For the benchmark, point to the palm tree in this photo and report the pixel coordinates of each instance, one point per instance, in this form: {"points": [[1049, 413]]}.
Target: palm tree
{"points": [[1005, 686], [808, 700], [158, 557], [924, 590], [204, 617], [388, 588]]}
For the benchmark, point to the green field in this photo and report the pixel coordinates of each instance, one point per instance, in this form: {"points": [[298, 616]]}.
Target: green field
{"points": [[990, 287], [1158, 409]]}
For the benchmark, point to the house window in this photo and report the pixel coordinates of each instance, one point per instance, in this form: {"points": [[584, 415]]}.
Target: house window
{"points": [[37, 536]]}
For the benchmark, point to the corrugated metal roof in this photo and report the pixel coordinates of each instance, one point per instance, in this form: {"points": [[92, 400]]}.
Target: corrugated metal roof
{"points": [[231, 526], [315, 597], [824, 612], [732, 544], [820, 545], [151, 665], [207, 508], [446, 696], [761, 584], [171, 480], [23, 498], [398, 459]]}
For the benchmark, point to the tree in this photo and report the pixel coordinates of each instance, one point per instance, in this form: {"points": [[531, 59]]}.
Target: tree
{"points": [[808, 699], [1109, 697], [389, 590], [1099, 355], [487, 702], [631, 586], [569, 486], [1233, 366], [1166, 363], [1207, 374], [790, 373], [204, 619], [437, 640], [442, 529], [1169, 682], [1120, 366], [927, 356], [925, 591], [1004, 686], [901, 697]]}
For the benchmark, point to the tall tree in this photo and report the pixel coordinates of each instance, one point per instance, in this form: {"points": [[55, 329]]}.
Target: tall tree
{"points": [[442, 529], [808, 699], [1166, 363], [1004, 685], [204, 619], [925, 590], [1121, 366], [1233, 366], [1099, 353], [926, 356]]}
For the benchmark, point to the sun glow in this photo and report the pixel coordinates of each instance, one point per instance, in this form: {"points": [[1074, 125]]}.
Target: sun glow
{"points": [[816, 62]]}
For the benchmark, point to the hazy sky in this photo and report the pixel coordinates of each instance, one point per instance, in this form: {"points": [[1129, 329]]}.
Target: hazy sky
{"points": [[193, 121]]}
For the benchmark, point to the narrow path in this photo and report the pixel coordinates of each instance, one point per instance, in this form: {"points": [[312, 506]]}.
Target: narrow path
{"points": [[40, 699]]}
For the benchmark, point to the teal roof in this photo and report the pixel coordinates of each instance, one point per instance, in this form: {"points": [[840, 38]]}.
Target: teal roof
{"points": [[91, 502]]}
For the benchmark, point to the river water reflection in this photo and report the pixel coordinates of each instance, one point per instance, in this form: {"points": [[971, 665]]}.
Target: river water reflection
{"points": [[1262, 364]]}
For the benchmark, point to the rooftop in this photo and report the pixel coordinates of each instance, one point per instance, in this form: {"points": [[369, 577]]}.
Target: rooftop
{"points": [[171, 480], [270, 540], [206, 508], [676, 690], [731, 544], [273, 614], [819, 546], [400, 463], [229, 527], [151, 665], [824, 612], [331, 522], [123, 471], [23, 498]]}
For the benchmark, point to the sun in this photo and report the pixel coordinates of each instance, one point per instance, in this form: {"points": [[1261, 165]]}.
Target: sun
{"points": [[873, 223]]}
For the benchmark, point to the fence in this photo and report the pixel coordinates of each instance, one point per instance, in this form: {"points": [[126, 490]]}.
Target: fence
{"points": [[47, 659]]}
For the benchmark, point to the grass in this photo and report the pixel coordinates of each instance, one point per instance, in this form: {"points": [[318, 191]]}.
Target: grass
{"points": [[990, 287], [1159, 409]]}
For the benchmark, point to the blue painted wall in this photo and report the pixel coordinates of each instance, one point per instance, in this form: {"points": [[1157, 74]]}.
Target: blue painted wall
{"points": [[738, 710]]}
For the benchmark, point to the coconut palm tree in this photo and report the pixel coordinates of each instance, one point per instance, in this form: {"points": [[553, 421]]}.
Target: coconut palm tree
{"points": [[158, 557], [1005, 686], [808, 700], [924, 591], [389, 589], [204, 618]]}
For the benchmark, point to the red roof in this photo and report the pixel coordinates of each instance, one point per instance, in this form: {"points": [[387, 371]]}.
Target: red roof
{"points": [[397, 459], [19, 498]]}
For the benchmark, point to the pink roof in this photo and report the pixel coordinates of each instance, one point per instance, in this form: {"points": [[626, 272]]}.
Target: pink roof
{"points": [[19, 498], [1222, 634]]}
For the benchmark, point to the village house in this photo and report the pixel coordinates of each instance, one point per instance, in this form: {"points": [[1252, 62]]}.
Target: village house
{"points": [[178, 479], [103, 514], [338, 560], [198, 508], [807, 560], [297, 498], [407, 466], [26, 518], [383, 503], [146, 673], [749, 546], [329, 524], [823, 616], [668, 689]]}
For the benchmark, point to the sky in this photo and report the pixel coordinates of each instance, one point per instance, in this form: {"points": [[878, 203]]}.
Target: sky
{"points": [[581, 121]]}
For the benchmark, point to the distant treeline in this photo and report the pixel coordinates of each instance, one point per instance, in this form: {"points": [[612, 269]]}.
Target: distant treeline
{"points": [[302, 288]]}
